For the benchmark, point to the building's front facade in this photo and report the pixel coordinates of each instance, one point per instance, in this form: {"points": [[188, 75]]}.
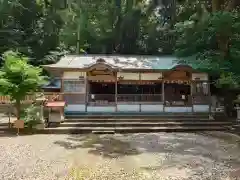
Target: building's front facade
{"points": [[101, 83]]}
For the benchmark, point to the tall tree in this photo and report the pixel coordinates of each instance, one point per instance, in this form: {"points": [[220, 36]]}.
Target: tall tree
{"points": [[18, 78], [209, 39], [31, 27]]}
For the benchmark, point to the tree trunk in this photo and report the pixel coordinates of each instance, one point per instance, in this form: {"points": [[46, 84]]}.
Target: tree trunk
{"points": [[118, 22], [216, 5], [18, 109], [230, 5]]}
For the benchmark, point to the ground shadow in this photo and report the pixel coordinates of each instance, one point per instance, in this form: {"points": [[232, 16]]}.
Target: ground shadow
{"points": [[106, 146], [194, 149]]}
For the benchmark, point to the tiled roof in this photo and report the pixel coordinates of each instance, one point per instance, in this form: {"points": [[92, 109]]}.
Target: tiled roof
{"points": [[53, 84], [118, 61]]}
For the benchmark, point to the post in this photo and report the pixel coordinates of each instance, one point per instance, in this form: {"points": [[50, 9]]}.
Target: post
{"points": [[163, 96], [9, 115], [191, 89], [209, 98], [86, 93], [141, 95], [116, 109]]}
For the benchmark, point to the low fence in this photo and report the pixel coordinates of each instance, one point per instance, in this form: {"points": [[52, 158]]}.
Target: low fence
{"points": [[78, 98], [30, 98]]}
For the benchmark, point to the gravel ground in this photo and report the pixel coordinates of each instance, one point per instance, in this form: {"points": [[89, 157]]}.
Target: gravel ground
{"points": [[160, 156]]}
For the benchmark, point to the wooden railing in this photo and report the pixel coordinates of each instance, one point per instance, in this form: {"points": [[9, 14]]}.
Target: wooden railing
{"points": [[101, 97], [178, 100], [79, 98], [106, 99], [139, 98], [31, 98], [201, 99]]}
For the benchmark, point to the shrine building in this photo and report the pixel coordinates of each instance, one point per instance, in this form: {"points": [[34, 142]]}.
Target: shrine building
{"points": [[120, 83]]}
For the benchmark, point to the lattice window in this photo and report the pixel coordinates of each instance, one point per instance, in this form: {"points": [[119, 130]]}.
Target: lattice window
{"points": [[74, 86], [200, 88]]}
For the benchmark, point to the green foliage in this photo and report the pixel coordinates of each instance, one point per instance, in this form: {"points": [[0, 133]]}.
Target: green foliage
{"points": [[127, 27], [213, 43], [29, 26], [32, 116], [18, 78]]}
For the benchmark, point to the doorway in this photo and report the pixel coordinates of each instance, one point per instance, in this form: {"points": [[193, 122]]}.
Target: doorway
{"points": [[177, 94]]}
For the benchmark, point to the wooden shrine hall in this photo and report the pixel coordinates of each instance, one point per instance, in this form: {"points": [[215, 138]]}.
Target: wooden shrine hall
{"points": [[106, 83]]}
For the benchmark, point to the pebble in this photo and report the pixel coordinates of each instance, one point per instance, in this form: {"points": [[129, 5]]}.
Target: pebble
{"points": [[156, 156]]}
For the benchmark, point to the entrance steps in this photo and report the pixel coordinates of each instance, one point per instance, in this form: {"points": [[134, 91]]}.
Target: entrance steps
{"points": [[135, 123]]}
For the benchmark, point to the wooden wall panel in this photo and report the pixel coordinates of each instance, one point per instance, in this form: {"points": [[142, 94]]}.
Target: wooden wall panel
{"points": [[177, 75], [101, 78], [151, 76], [128, 76]]}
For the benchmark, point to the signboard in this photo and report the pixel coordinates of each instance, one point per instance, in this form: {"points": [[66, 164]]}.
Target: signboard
{"points": [[19, 124]]}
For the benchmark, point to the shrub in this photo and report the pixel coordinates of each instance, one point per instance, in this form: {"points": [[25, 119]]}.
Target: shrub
{"points": [[32, 115]]}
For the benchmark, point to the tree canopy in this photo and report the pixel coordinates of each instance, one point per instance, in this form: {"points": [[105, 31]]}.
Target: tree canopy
{"points": [[202, 32], [18, 78], [210, 38]]}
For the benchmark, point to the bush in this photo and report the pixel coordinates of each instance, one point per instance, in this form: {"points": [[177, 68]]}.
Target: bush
{"points": [[32, 116]]}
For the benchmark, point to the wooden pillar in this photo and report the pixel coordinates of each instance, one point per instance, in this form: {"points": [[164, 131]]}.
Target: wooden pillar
{"points": [[163, 95], [209, 97], [140, 103], [62, 87], [86, 92], [62, 83], [192, 84], [116, 83]]}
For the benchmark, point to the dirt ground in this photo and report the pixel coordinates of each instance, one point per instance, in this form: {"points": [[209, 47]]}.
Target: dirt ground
{"points": [[162, 156]]}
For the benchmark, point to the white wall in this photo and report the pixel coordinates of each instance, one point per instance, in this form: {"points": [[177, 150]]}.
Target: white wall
{"points": [[151, 76], [128, 76], [135, 108], [152, 108], [201, 108], [75, 108], [128, 108], [73, 74], [101, 109], [201, 76], [178, 109]]}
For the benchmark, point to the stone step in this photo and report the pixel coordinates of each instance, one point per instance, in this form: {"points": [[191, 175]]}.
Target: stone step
{"points": [[3, 127], [79, 130], [3, 124], [161, 119], [104, 132], [137, 116], [170, 115], [138, 124]]}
